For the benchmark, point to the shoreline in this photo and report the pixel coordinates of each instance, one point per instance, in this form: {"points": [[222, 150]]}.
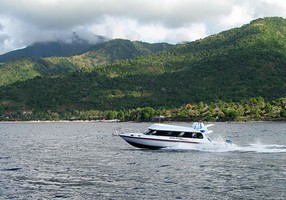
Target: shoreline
{"points": [[62, 121], [280, 120]]}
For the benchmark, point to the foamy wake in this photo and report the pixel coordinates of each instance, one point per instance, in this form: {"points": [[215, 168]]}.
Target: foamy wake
{"points": [[222, 146]]}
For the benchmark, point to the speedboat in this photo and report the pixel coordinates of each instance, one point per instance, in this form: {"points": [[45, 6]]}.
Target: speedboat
{"points": [[168, 136]]}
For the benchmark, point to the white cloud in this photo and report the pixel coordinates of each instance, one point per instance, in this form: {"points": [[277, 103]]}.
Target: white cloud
{"points": [[116, 28], [238, 16], [23, 22]]}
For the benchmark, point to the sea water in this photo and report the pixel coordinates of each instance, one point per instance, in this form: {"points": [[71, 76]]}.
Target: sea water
{"points": [[85, 161]]}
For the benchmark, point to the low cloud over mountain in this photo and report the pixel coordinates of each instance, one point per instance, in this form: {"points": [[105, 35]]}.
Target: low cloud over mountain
{"points": [[25, 22]]}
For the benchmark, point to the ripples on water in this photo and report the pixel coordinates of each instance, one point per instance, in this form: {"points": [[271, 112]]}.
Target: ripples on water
{"points": [[84, 161]]}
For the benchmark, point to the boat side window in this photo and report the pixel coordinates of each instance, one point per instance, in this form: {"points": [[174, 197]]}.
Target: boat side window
{"points": [[175, 134], [187, 135], [181, 134], [200, 136], [150, 132], [167, 133], [162, 133], [193, 135], [197, 135]]}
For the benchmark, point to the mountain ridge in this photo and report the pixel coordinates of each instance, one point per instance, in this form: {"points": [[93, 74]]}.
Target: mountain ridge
{"points": [[60, 47], [22, 69], [233, 65]]}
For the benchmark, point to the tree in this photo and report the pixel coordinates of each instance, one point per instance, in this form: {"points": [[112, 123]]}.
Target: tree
{"points": [[147, 113]]}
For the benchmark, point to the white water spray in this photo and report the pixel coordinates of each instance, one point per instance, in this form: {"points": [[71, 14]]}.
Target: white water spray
{"points": [[222, 146]]}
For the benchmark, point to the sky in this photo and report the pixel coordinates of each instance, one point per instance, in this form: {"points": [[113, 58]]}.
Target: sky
{"points": [[23, 22]]}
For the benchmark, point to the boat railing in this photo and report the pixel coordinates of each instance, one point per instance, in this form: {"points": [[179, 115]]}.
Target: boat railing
{"points": [[119, 131]]}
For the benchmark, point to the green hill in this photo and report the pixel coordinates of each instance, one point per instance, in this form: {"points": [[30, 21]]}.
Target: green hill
{"points": [[101, 54], [234, 65], [120, 49]]}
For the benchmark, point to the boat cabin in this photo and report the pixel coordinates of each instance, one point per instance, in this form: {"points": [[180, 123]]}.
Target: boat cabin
{"points": [[173, 131]]}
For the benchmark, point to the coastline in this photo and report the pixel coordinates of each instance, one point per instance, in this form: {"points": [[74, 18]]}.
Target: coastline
{"points": [[61, 121], [282, 120]]}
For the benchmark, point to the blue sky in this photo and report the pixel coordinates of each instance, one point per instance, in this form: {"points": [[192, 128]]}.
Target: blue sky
{"points": [[23, 22]]}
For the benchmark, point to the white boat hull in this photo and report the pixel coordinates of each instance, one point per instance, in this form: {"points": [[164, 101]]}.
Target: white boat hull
{"points": [[143, 141]]}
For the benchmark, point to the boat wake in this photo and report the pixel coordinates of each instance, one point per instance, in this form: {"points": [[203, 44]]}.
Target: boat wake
{"points": [[222, 146]]}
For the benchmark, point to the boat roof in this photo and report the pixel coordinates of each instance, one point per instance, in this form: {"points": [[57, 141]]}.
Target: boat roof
{"points": [[167, 127]]}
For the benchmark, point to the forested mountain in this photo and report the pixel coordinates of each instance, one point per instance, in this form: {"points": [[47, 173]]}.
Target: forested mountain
{"points": [[234, 65], [120, 49], [75, 46], [101, 54]]}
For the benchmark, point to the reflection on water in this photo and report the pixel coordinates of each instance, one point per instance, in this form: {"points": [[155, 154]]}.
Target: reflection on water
{"points": [[84, 161]]}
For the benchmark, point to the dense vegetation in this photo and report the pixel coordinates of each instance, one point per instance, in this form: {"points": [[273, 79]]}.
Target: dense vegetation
{"points": [[254, 109], [101, 54], [228, 69]]}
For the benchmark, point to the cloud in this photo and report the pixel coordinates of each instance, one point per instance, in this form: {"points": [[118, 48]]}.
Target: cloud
{"points": [[23, 22], [153, 32], [240, 14], [62, 14]]}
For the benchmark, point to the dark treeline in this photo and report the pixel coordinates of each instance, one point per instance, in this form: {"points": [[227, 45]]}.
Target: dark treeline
{"points": [[254, 109]]}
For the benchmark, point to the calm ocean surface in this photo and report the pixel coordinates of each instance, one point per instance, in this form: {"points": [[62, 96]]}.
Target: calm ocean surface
{"points": [[84, 161]]}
